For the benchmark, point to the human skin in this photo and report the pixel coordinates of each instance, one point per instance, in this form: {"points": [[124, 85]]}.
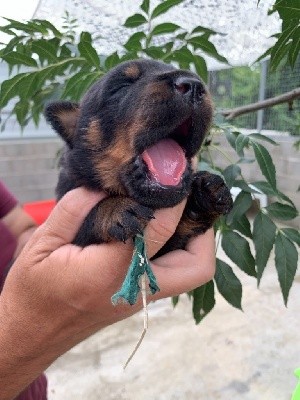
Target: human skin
{"points": [[58, 294]]}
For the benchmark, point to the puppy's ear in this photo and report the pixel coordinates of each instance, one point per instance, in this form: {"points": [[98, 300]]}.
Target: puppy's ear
{"points": [[63, 116]]}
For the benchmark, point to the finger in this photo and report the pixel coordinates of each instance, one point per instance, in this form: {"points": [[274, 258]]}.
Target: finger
{"points": [[160, 229], [183, 270], [66, 218]]}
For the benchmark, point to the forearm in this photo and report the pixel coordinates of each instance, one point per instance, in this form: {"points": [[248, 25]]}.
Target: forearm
{"points": [[19, 363]]}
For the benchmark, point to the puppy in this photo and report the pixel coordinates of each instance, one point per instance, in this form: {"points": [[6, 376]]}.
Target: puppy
{"points": [[134, 135]]}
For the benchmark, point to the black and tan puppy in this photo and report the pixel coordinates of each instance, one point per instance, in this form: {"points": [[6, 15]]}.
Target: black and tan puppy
{"points": [[134, 135]]}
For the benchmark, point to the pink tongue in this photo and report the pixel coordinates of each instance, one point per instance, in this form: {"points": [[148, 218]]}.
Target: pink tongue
{"points": [[166, 162]]}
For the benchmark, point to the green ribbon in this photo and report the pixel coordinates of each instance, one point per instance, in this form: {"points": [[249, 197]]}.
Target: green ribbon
{"points": [[139, 266]]}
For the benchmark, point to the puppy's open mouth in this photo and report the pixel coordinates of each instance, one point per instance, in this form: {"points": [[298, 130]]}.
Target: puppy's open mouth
{"points": [[166, 160]]}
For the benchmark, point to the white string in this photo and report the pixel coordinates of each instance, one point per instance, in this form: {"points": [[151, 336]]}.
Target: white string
{"points": [[144, 299]]}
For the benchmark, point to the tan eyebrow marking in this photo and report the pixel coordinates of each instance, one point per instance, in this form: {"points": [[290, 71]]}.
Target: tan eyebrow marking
{"points": [[132, 71]]}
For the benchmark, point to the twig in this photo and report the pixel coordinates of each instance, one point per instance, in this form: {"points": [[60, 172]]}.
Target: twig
{"points": [[283, 98]]}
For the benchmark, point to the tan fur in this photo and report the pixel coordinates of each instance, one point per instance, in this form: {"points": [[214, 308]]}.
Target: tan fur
{"points": [[118, 154], [157, 91], [132, 71], [68, 121], [93, 135]]}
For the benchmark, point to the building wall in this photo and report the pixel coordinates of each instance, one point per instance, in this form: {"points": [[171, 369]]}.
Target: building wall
{"points": [[29, 167]]}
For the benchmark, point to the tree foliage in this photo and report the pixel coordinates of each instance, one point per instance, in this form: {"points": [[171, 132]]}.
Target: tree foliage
{"points": [[287, 44], [50, 63]]}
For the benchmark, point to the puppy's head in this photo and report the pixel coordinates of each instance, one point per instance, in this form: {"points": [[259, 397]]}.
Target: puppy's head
{"points": [[135, 131]]}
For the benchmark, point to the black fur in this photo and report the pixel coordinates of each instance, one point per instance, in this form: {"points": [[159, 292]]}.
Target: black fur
{"points": [[131, 108]]}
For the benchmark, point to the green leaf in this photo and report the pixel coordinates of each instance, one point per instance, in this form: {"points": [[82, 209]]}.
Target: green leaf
{"points": [[264, 55], [266, 188], [228, 284], [241, 142], [24, 27], [199, 42], [10, 88], [145, 6], [183, 55], [134, 42], [50, 27], [241, 204], [182, 35], [264, 231], [295, 49], [203, 301], [240, 183], [288, 9], [46, 50], [282, 211], [202, 29], [112, 60], [154, 52], [78, 84], [175, 300], [10, 45], [201, 67], [134, 21], [231, 137], [89, 53], [21, 110], [167, 27], [86, 37], [242, 225], [286, 258], [265, 163], [259, 136], [164, 7], [65, 51], [283, 197], [30, 85], [16, 58], [292, 234], [282, 46], [230, 174], [238, 250]]}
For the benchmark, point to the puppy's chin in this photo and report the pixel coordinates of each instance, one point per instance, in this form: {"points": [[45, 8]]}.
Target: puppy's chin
{"points": [[145, 188]]}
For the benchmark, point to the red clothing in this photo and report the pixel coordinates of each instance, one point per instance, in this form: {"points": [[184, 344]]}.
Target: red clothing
{"points": [[37, 390], [8, 242]]}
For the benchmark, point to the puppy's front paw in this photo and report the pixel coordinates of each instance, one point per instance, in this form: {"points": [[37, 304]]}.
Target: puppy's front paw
{"points": [[126, 223], [210, 195], [114, 218]]}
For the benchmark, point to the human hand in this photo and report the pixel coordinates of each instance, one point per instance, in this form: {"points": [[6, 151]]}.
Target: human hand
{"points": [[57, 294]]}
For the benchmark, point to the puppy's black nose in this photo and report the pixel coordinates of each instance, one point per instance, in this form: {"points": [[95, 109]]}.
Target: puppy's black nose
{"points": [[191, 88]]}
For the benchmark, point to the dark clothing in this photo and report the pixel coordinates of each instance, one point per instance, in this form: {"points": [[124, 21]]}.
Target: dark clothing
{"points": [[37, 390]]}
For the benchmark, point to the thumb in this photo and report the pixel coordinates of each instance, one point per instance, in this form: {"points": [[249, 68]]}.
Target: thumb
{"points": [[66, 218]]}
